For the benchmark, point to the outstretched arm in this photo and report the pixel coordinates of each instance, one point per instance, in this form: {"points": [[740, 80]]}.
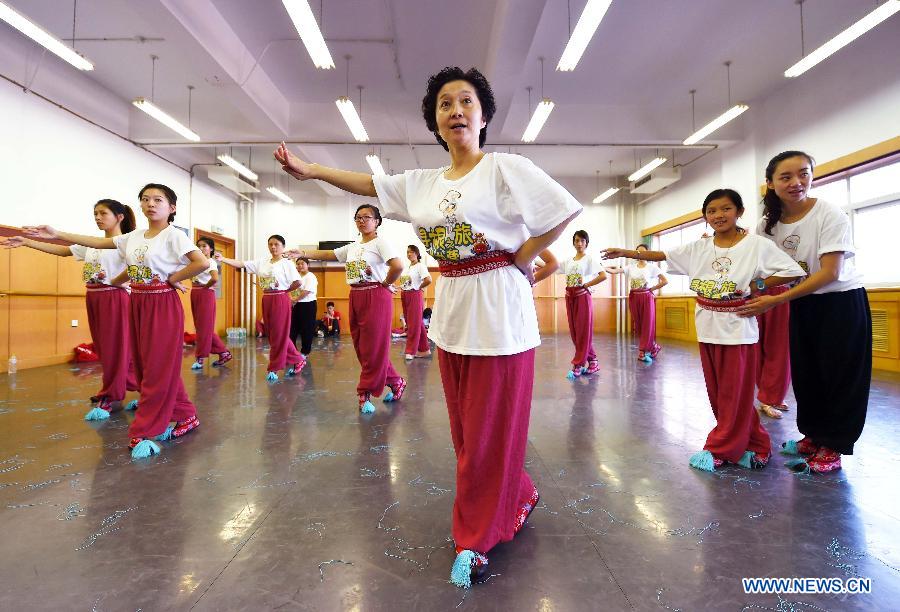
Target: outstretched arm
{"points": [[359, 183], [614, 253], [47, 247], [48, 233], [314, 254], [234, 263]]}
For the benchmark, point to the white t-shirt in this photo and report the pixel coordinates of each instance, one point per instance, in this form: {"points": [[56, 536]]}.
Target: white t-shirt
{"points": [[100, 265], [725, 273], [642, 278], [579, 272], [310, 283], [412, 278], [366, 262], [824, 229], [273, 276], [154, 259], [204, 276], [497, 206]]}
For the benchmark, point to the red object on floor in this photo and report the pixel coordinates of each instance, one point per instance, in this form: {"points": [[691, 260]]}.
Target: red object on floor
{"points": [[190, 338], [85, 352]]}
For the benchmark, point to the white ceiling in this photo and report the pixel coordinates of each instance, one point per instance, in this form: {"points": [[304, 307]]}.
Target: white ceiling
{"points": [[255, 82]]}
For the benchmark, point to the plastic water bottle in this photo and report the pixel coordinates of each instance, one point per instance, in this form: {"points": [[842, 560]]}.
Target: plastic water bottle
{"points": [[12, 365]]}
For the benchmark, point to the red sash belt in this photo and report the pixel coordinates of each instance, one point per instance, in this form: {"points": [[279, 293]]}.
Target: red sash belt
{"points": [[720, 305], [576, 291], [358, 286], [151, 288], [92, 287], [477, 264]]}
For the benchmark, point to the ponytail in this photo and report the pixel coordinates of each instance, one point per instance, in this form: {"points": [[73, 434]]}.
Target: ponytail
{"points": [[127, 224], [772, 206]]}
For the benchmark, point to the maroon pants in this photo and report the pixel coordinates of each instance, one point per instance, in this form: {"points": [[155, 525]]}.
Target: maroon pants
{"points": [[580, 312], [730, 374], [642, 305], [157, 338], [774, 364], [107, 310], [276, 307], [203, 310], [416, 335], [489, 403], [371, 311]]}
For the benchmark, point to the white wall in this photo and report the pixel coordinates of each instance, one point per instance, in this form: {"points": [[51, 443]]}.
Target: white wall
{"points": [[848, 102], [55, 166]]}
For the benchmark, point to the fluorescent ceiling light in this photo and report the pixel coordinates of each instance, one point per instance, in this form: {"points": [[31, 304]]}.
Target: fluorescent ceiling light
{"points": [[541, 112], [280, 195], [844, 38], [646, 169], [348, 112], [309, 32], [606, 195], [375, 164], [584, 30], [42, 37], [716, 123], [165, 118], [238, 166]]}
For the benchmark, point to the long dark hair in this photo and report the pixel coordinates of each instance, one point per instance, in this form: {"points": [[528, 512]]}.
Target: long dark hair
{"points": [[207, 241], [167, 191], [772, 206], [127, 224], [415, 249]]}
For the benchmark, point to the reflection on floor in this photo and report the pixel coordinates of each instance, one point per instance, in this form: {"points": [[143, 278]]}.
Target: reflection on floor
{"points": [[285, 498]]}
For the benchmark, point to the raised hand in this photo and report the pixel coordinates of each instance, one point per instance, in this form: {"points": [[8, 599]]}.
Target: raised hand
{"points": [[40, 231], [217, 256], [13, 242], [292, 164], [614, 253], [294, 253]]}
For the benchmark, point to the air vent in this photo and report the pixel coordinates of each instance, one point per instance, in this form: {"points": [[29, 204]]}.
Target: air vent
{"points": [[880, 336], [676, 318]]}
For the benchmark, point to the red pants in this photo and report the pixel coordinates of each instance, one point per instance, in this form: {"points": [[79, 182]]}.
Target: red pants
{"points": [[580, 312], [203, 310], [157, 337], [276, 309], [371, 311], [730, 374], [774, 364], [489, 402], [642, 306], [107, 311], [416, 335]]}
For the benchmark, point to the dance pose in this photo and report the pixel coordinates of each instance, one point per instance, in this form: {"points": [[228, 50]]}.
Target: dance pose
{"points": [[203, 310], [157, 260], [582, 272], [277, 276], [107, 304], [484, 217], [372, 266], [830, 322], [722, 269], [412, 284], [303, 311], [643, 279]]}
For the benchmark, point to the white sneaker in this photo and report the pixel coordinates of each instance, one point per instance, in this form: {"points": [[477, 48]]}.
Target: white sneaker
{"points": [[320, 333], [409, 357]]}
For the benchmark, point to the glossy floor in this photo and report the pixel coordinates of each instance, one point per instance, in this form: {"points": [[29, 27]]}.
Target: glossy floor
{"points": [[285, 498]]}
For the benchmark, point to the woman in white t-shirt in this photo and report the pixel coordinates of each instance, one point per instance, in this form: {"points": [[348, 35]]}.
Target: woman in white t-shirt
{"points": [[372, 266], [203, 310], [157, 260], [303, 312], [830, 322], [412, 285], [276, 276], [582, 272], [107, 305], [643, 278], [485, 217], [722, 269]]}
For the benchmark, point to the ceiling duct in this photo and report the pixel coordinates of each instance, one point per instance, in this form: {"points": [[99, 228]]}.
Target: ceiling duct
{"points": [[227, 178], [656, 180]]}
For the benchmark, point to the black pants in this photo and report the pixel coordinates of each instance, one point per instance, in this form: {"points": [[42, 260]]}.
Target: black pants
{"points": [[831, 366], [335, 328], [303, 324]]}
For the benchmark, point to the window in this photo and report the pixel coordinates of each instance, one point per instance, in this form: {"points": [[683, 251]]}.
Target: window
{"points": [[674, 238], [871, 197]]}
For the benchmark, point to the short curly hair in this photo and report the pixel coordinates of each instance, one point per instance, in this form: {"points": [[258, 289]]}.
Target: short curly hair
{"points": [[455, 73]]}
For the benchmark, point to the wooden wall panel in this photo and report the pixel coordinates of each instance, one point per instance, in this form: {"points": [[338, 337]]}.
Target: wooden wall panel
{"points": [[885, 306], [68, 273], [32, 327], [4, 331], [4, 269], [32, 271], [67, 337]]}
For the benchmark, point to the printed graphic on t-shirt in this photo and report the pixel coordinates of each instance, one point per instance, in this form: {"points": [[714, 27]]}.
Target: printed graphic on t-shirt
{"points": [[358, 269], [266, 282], [92, 271], [719, 288], [638, 283], [455, 239], [791, 244], [140, 273], [574, 279], [406, 282]]}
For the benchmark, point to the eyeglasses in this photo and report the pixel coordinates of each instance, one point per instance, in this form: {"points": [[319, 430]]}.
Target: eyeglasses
{"points": [[363, 218]]}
